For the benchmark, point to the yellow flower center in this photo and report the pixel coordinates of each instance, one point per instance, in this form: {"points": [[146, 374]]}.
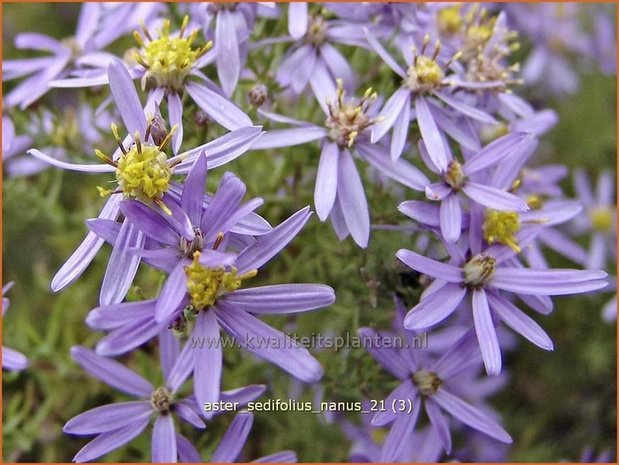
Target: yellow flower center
{"points": [[479, 270], [428, 382], [169, 59], [502, 227], [347, 120], [143, 173], [602, 219], [424, 74], [206, 285], [535, 202]]}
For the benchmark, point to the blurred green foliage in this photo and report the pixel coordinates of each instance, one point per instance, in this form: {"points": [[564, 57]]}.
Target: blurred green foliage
{"points": [[554, 405]]}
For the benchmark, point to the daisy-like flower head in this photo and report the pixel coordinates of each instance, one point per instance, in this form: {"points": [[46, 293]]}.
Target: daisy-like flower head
{"points": [[168, 59], [486, 278], [118, 424], [143, 173], [203, 292], [438, 386]]}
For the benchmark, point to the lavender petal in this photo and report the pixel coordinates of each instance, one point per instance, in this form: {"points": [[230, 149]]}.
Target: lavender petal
{"points": [[352, 200], [111, 372], [233, 441], [435, 307], [108, 417], [470, 415], [282, 298], [164, 440], [326, 180], [486, 333], [280, 349]]}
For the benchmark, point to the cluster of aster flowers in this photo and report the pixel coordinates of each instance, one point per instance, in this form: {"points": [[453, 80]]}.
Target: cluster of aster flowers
{"points": [[448, 128]]}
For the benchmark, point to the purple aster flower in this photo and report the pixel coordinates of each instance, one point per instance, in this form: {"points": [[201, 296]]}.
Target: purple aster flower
{"points": [[423, 85], [76, 128], [483, 277], [459, 179], [80, 49], [148, 185], [229, 26], [314, 60], [13, 146], [555, 31], [339, 192], [203, 292], [11, 359], [117, 424], [168, 67], [600, 224], [431, 384], [600, 220]]}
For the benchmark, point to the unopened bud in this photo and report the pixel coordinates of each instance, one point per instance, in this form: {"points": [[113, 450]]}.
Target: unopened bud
{"points": [[258, 95], [158, 129]]}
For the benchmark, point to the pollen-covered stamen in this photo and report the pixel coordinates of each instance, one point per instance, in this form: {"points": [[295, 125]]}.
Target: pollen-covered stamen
{"points": [[602, 219], [188, 248], [425, 74], [428, 382], [454, 176], [348, 118], [161, 400], [535, 202], [168, 60], [502, 227], [205, 285], [316, 31], [479, 270]]}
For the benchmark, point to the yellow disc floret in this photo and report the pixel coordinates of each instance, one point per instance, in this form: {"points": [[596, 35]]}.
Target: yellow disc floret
{"points": [[205, 284], [602, 219], [143, 173], [169, 60], [502, 227]]}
